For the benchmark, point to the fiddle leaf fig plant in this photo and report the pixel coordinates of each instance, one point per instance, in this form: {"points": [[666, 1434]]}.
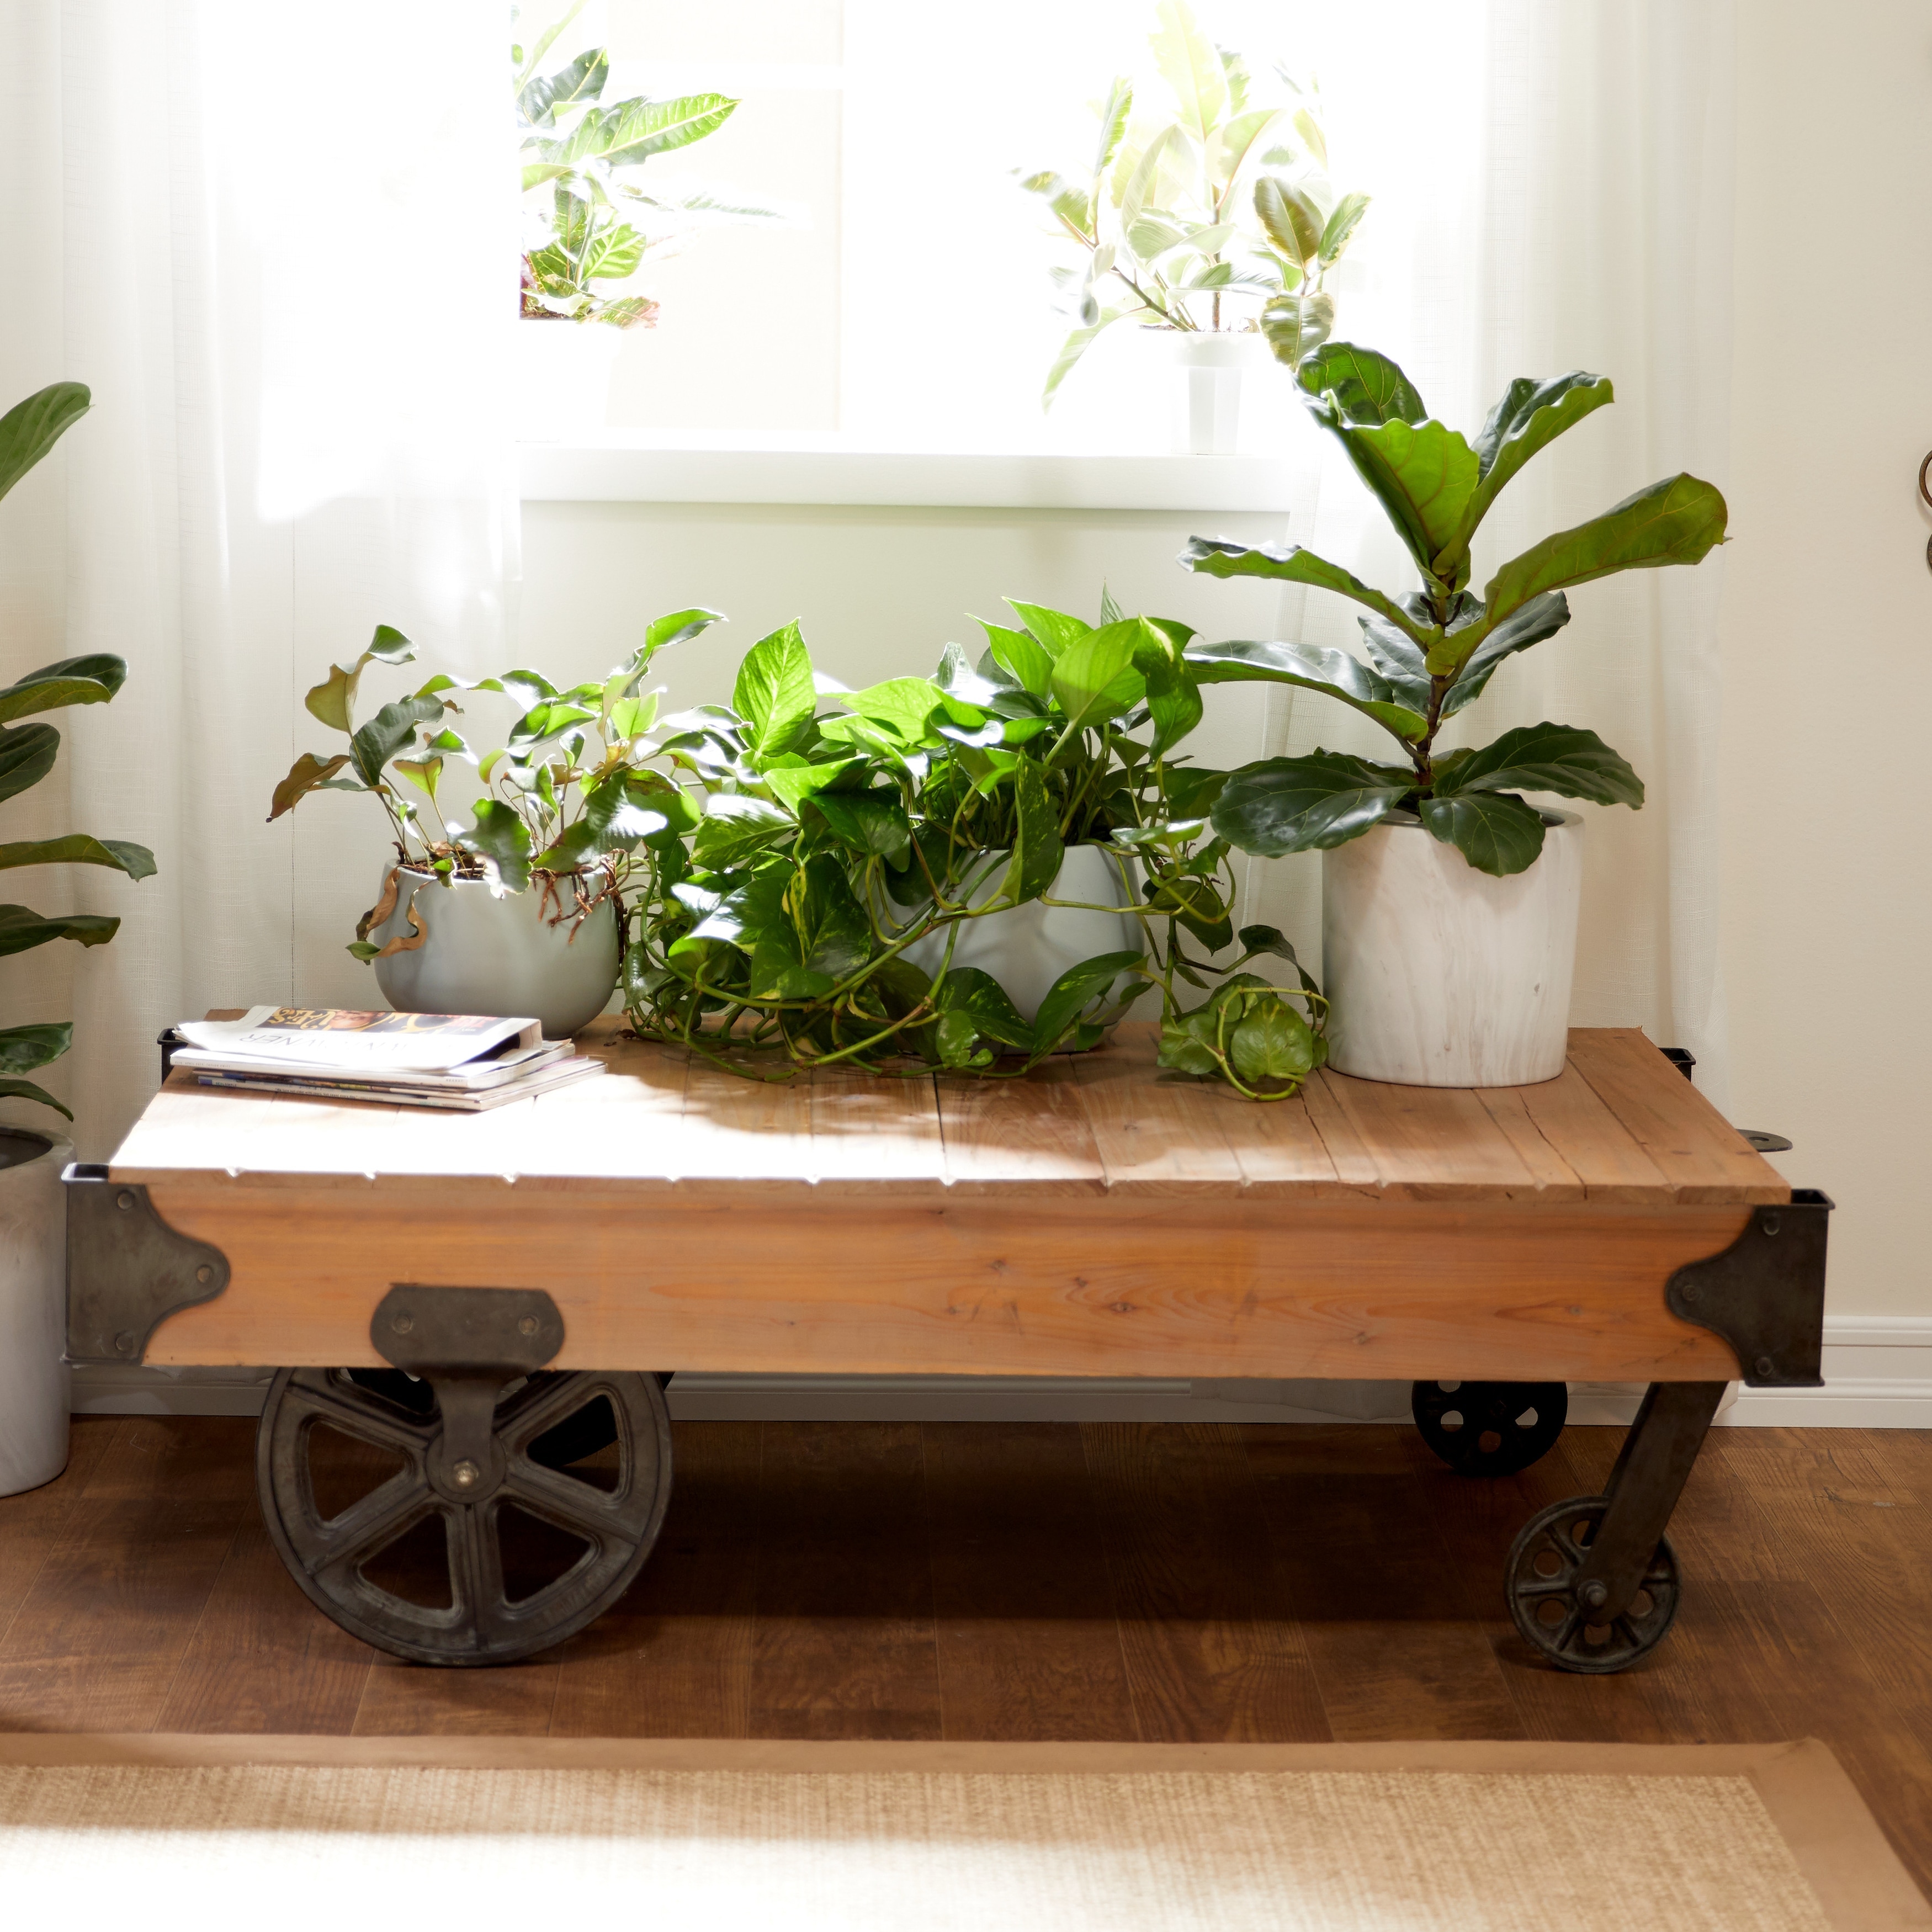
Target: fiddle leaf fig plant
{"points": [[1431, 653], [1217, 214], [591, 221], [569, 799], [27, 753], [812, 918]]}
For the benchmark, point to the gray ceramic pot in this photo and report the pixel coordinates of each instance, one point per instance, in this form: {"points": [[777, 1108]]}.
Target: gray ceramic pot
{"points": [[34, 1382], [486, 955]]}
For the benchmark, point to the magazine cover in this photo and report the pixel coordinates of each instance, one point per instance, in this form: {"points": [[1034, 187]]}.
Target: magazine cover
{"points": [[334, 1040]]}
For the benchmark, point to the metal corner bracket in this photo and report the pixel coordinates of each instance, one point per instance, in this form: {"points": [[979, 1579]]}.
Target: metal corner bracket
{"points": [[1765, 1294], [127, 1270]]}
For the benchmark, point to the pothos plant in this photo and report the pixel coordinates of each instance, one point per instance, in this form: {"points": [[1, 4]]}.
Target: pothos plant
{"points": [[569, 800], [1432, 652], [1217, 213], [27, 753], [833, 844], [591, 221]]}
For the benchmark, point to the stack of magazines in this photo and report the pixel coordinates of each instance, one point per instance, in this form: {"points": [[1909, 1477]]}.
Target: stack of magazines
{"points": [[465, 1061]]}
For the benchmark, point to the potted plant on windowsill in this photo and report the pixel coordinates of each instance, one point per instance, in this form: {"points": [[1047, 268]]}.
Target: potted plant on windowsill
{"points": [[591, 222], [517, 909], [971, 871], [33, 1260], [1214, 228], [1449, 901]]}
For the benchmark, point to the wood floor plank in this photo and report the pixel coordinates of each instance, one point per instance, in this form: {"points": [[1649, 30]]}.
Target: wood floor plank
{"points": [[512, 1700], [30, 1523], [1373, 1591], [1029, 1645], [843, 1645], [1214, 1653], [673, 1660]]}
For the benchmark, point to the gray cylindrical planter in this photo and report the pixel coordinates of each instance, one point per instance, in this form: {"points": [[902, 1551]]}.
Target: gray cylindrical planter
{"points": [[34, 1382]]}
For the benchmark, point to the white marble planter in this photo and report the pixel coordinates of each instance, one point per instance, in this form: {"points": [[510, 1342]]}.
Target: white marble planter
{"points": [[1027, 947], [1438, 975], [33, 1380], [502, 956]]}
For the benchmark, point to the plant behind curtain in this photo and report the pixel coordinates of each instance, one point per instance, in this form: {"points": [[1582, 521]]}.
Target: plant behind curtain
{"points": [[279, 244]]}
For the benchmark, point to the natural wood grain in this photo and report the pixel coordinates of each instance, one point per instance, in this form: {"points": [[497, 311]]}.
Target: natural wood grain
{"points": [[32, 1523], [868, 1133], [673, 1659], [1587, 1138], [1131, 1283], [1154, 1135], [1029, 1644], [1553, 1177], [844, 1645], [1213, 1648], [1045, 1147], [1433, 1143], [1698, 1152]]}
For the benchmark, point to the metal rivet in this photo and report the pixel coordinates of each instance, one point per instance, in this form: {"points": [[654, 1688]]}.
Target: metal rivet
{"points": [[124, 1200], [1766, 1367], [528, 1326], [1769, 1224], [464, 1474], [1689, 1293], [402, 1324], [127, 1342], [204, 1274]]}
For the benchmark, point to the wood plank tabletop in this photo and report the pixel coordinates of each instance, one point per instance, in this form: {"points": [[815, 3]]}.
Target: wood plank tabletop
{"points": [[1619, 1125]]}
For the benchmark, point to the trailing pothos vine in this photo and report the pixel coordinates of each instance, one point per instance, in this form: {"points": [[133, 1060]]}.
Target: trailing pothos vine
{"points": [[811, 918]]}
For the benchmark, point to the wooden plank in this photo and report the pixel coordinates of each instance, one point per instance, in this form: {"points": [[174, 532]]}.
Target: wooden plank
{"points": [[1702, 1156], [1354, 1167], [755, 1132], [1280, 1150], [1154, 1136], [1555, 1179], [1582, 1133], [1131, 1284], [869, 1133], [1001, 1135], [1433, 1143]]}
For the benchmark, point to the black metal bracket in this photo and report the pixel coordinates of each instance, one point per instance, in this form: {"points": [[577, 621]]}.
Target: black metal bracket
{"points": [[468, 1344], [1765, 1294], [127, 1270]]}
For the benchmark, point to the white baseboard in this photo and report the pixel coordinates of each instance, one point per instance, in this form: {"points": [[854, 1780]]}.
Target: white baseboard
{"points": [[1878, 1374]]}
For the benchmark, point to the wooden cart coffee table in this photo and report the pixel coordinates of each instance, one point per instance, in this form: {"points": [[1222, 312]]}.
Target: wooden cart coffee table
{"points": [[493, 1301]]}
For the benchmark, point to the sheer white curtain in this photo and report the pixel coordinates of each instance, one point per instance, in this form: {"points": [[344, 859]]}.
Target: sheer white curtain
{"points": [[278, 244], [1573, 209]]}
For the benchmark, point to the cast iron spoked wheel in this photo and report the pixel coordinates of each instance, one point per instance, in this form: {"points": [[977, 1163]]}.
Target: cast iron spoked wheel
{"points": [[358, 1506], [1541, 1579], [1489, 1429]]}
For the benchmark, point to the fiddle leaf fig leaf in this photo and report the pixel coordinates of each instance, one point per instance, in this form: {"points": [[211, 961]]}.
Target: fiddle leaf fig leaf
{"points": [[1495, 831], [77, 848], [1214, 557], [1307, 804], [1315, 667], [25, 1090], [24, 1048], [1679, 520], [27, 754], [1358, 388], [1541, 617], [1399, 661], [30, 429], [1425, 474], [88, 680], [1561, 758], [307, 773], [1530, 416], [21, 928]]}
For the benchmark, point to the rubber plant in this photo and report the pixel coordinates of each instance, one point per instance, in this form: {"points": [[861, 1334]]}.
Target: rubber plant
{"points": [[592, 221], [1432, 652], [568, 800], [1217, 214], [27, 753], [832, 842]]}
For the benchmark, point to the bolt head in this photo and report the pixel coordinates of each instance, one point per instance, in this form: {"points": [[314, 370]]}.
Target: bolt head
{"points": [[124, 1200], [464, 1474], [204, 1274], [402, 1324], [1594, 1595], [527, 1326], [1770, 1224], [127, 1342], [1766, 1367]]}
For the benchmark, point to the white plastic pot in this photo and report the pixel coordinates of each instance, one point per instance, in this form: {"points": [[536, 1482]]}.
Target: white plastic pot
{"points": [[562, 376], [1438, 975], [1027, 947], [1209, 370], [500, 956], [34, 1382]]}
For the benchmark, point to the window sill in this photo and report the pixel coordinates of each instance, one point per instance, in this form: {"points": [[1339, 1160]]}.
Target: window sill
{"points": [[616, 469]]}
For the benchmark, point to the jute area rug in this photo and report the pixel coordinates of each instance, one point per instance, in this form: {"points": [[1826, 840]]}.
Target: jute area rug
{"points": [[305, 1832]]}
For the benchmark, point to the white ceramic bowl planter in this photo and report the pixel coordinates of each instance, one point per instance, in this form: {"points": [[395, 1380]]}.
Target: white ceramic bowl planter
{"points": [[1438, 975], [33, 1380], [1027, 947], [501, 956]]}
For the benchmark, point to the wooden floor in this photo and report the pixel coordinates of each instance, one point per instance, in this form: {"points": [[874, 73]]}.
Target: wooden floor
{"points": [[1035, 1581]]}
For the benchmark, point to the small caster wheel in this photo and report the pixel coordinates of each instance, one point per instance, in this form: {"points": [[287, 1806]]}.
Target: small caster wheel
{"points": [[1541, 1576], [1489, 1429], [465, 1564]]}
